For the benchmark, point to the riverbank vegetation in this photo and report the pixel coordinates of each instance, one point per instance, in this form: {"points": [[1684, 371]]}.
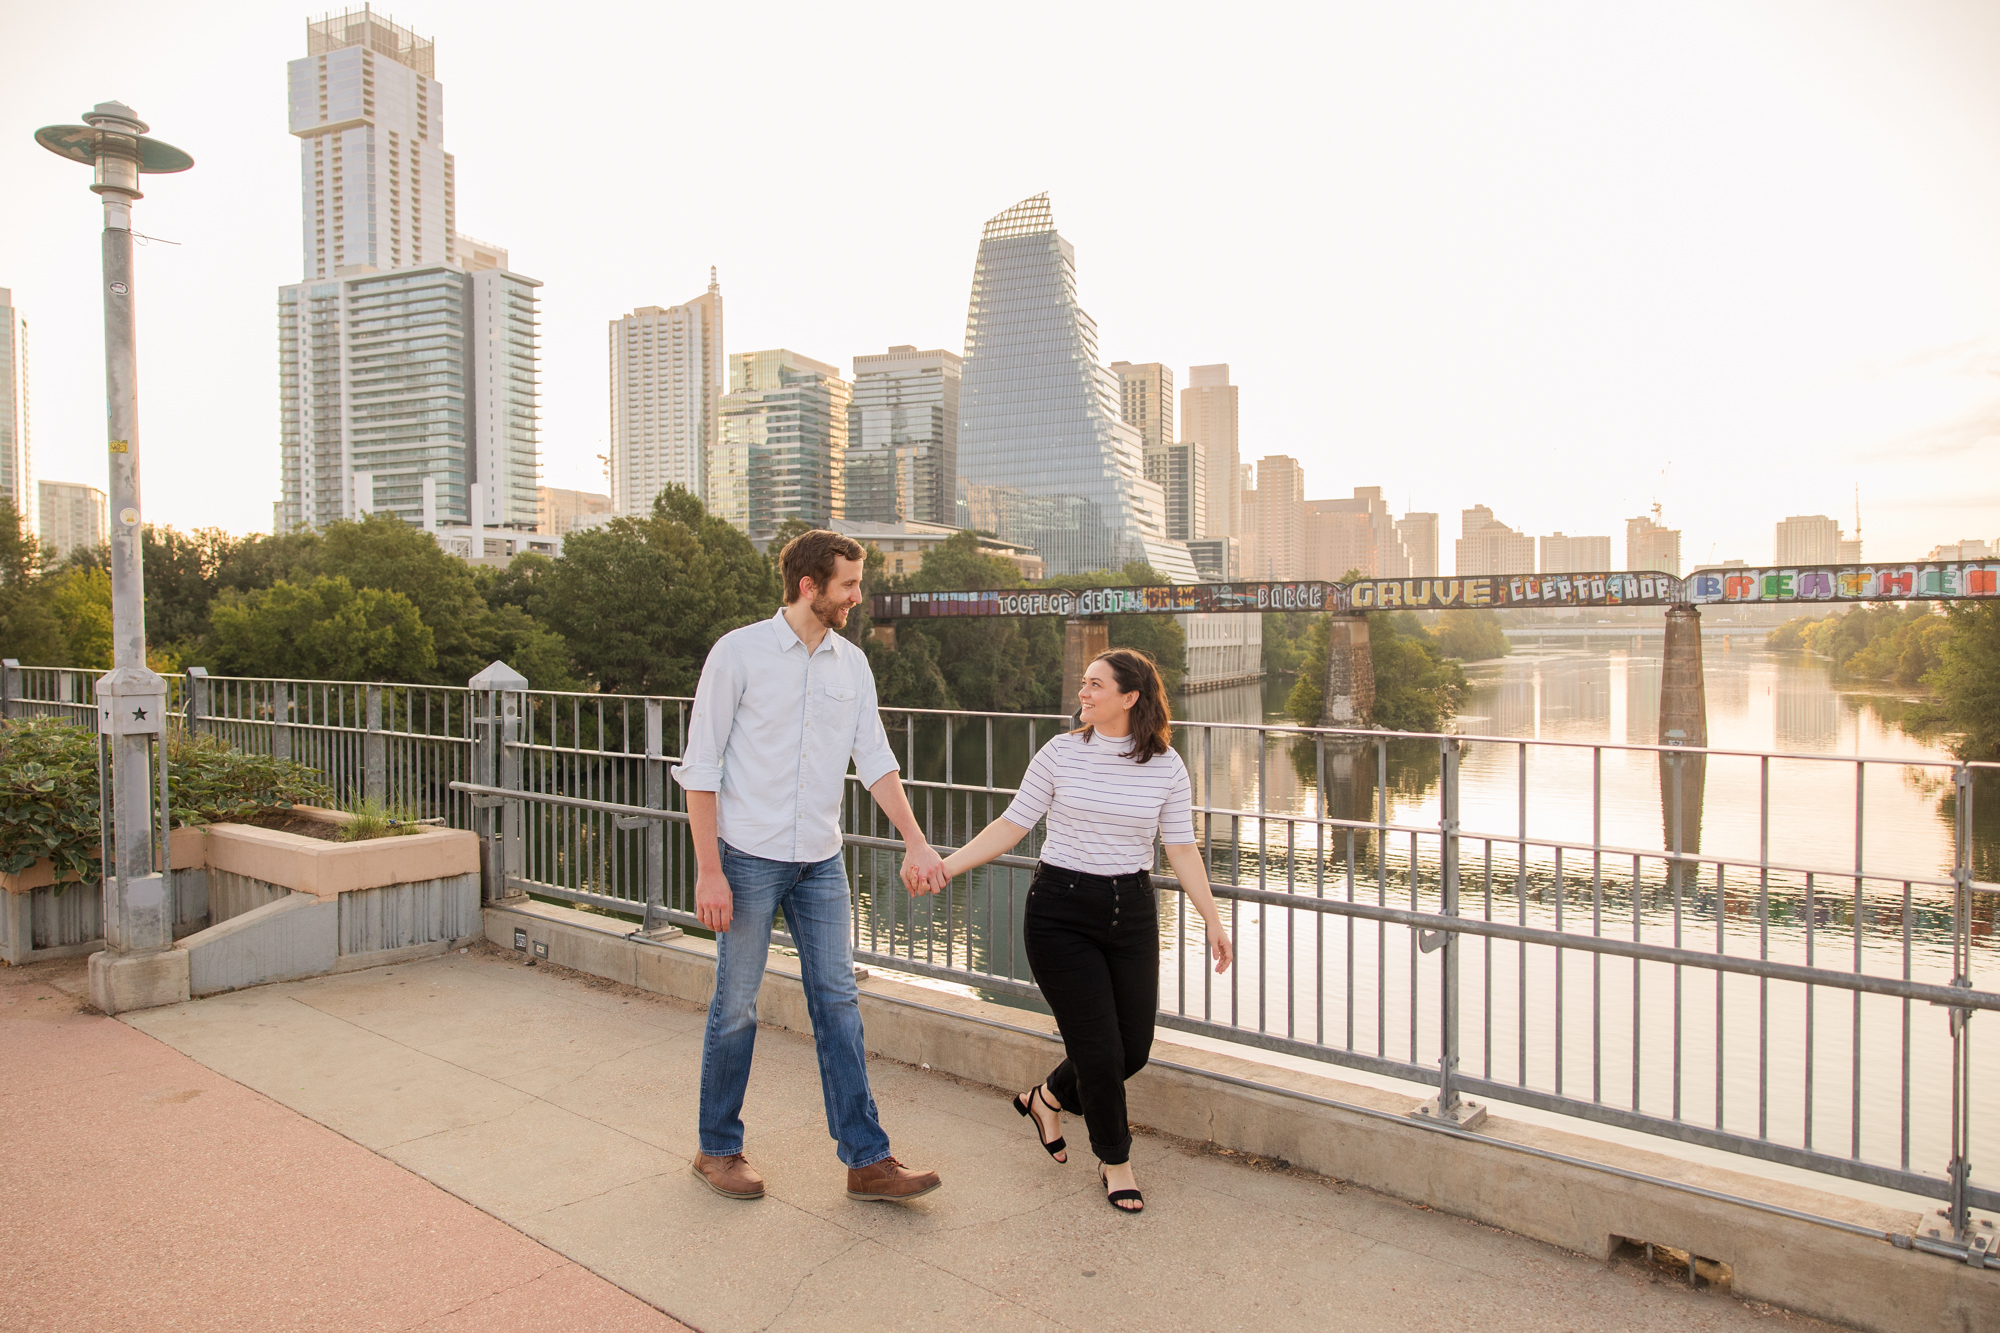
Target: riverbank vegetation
{"points": [[1417, 687], [1955, 656]]}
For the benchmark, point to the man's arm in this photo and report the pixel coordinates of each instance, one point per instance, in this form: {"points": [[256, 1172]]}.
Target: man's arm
{"points": [[923, 870], [714, 905], [700, 776]]}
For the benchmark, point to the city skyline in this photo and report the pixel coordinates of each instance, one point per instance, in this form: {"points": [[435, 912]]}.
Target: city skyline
{"points": [[1420, 343]]}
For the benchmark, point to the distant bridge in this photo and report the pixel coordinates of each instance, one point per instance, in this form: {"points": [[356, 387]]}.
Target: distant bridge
{"points": [[1729, 585]]}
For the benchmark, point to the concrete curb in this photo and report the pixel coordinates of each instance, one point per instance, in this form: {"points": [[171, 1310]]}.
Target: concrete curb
{"points": [[1800, 1248]]}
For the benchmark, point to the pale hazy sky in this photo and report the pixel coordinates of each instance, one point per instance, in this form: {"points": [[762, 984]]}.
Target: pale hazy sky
{"points": [[1563, 259]]}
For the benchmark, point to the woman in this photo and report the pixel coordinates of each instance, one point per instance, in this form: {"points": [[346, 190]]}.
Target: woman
{"points": [[1092, 926]]}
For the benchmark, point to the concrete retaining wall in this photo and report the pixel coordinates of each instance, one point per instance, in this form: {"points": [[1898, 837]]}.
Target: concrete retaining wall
{"points": [[280, 941], [50, 923], [1581, 1193], [403, 916], [230, 895]]}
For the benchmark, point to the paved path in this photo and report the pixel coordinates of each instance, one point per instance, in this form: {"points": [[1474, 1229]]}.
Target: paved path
{"points": [[143, 1191], [564, 1106]]}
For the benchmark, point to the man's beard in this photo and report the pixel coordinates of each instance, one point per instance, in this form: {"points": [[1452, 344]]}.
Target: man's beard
{"points": [[832, 611]]}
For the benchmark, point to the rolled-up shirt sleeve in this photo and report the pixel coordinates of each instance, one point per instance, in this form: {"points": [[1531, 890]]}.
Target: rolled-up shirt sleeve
{"points": [[715, 698], [873, 759]]}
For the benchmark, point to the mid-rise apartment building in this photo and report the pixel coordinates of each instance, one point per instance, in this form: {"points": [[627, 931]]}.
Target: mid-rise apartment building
{"points": [[72, 516], [1181, 471], [17, 457], [1574, 555], [902, 437], [784, 443], [1146, 400], [1278, 538], [668, 376]]}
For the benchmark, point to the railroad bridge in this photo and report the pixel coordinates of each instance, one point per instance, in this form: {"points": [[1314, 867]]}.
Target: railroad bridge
{"points": [[1350, 671]]}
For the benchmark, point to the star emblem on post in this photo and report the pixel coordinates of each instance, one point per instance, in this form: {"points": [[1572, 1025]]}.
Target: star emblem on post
{"points": [[138, 715]]}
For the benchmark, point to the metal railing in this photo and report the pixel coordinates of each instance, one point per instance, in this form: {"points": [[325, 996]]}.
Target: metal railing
{"points": [[1527, 921]]}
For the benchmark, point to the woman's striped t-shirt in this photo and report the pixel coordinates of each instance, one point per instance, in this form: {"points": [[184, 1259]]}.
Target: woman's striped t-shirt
{"points": [[1103, 809]]}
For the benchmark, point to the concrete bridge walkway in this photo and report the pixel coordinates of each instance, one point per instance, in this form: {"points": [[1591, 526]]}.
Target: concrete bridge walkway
{"points": [[469, 1142]]}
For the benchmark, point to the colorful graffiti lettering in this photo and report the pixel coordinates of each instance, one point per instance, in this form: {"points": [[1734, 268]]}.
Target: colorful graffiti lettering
{"points": [[1813, 583]]}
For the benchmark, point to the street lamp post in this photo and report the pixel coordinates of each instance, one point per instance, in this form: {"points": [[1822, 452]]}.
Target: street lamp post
{"points": [[139, 967]]}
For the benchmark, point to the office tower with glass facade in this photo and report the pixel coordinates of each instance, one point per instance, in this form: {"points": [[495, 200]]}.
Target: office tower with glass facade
{"points": [[1574, 555], [784, 443], [1146, 400], [1650, 546], [375, 184], [411, 393], [902, 437], [668, 376], [1046, 458], [72, 516], [1419, 535], [1178, 469], [17, 458], [1215, 559], [1208, 419]]}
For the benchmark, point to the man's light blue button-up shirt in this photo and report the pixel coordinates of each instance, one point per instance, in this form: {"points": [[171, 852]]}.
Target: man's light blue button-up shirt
{"points": [[772, 732]]}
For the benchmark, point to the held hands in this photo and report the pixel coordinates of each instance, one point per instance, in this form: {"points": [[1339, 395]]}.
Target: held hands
{"points": [[923, 870]]}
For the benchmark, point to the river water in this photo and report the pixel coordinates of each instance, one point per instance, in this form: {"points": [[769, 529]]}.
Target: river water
{"points": [[1810, 1068]]}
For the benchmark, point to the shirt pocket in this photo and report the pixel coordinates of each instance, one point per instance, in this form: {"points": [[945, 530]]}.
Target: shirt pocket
{"points": [[839, 703]]}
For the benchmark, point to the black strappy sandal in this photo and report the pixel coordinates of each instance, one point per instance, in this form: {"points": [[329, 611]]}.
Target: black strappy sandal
{"points": [[1025, 1106], [1117, 1197]]}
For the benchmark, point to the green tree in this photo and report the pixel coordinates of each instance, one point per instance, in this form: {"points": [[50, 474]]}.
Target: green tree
{"points": [[1158, 635], [327, 629], [28, 628], [1006, 664], [1286, 636], [1416, 687], [1966, 680], [80, 600], [641, 601], [183, 576], [1471, 636]]}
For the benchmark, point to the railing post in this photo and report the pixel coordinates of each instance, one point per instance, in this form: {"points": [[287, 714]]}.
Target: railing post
{"points": [[1958, 1210], [1448, 1106], [375, 752], [656, 925], [281, 719], [10, 686], [197, 698], [497, 763]]}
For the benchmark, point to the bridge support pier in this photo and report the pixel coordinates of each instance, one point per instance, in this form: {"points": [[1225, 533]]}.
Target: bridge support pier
{"points": [[1084, 637], [1683, 722], [1348, 694]]}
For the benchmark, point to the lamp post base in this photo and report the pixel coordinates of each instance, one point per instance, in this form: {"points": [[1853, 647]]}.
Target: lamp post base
{"points": [[125, 981]]}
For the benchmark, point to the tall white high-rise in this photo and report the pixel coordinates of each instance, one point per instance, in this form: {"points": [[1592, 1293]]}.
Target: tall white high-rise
{"points": [[375, 184], [1208, 420], [72, 516], [408, 367], [17, 457], [668, 376]]}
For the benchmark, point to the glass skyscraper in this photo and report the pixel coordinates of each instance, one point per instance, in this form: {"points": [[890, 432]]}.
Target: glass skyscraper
{"points": [[902, 437], [784, 443], [1046, 458]]}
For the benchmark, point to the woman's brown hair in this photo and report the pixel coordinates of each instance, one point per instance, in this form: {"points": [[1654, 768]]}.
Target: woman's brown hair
{"points": [[1152, 722]]}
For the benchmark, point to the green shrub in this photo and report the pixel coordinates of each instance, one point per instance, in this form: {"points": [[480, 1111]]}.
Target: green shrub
{"points": [[374, 819], [48, 791]]}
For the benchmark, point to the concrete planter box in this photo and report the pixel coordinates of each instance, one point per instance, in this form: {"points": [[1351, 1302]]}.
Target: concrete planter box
{"points": [[283, 906], [38, 920]]}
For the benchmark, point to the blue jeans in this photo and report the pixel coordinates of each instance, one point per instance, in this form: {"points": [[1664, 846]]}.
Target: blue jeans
{"points": [[814, 897]]}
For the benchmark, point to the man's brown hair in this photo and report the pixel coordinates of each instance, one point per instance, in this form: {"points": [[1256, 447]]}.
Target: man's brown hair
{"points": [[810, 555]]}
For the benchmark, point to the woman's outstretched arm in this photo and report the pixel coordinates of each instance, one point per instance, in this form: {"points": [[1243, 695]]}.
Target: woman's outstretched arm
{"points": [[996, 839]]}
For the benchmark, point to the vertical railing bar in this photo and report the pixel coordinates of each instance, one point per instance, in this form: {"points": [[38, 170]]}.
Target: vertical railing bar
{"points": [[1860, 889]]}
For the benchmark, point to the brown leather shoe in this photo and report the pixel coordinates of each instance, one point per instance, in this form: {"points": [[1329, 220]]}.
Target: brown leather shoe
{"points": [[731, 1177], [889, 1181]]}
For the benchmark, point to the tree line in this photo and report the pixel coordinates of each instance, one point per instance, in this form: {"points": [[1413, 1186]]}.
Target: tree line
{"points": [[1953, 653], [630, 607]]}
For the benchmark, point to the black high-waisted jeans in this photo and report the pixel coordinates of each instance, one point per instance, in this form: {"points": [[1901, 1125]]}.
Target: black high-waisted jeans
{"points": [[1094, 945]]}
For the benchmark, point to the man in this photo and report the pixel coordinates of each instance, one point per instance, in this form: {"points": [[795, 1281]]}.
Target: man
{"points": [[781, 708]]}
